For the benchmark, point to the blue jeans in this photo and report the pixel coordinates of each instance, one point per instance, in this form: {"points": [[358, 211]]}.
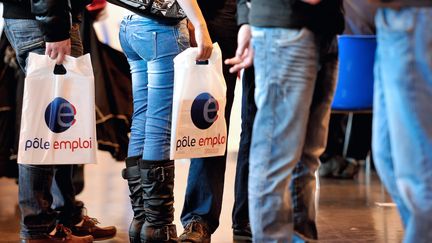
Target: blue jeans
{"points": [[295, 76], [150, 47], [402, 125], [203, 198], [38, 214]]}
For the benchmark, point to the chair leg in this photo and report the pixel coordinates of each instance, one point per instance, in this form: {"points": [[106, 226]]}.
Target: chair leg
{"points": [[347, 134]]}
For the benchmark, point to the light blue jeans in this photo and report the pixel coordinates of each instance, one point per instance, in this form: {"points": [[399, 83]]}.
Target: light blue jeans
{"points": [[295, 75], [402, 124], [150, 46]]}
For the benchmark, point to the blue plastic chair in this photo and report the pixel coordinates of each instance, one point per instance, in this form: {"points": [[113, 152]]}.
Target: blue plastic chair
{"points": [[354, 91]]}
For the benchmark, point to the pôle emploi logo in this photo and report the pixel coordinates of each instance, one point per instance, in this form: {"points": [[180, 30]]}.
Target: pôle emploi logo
{"points": [[204, 113], [59, 117], [204, 110]]}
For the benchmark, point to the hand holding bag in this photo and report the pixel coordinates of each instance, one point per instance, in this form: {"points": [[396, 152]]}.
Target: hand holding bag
{"points": [[58, 124], [198, 126]]}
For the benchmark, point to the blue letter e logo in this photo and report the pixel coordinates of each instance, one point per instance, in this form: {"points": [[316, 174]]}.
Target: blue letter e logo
{"points": [[204, 111], [60, 115]]}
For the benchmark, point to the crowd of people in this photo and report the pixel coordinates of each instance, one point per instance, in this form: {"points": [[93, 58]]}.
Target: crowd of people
{"points": [[289, 53]]}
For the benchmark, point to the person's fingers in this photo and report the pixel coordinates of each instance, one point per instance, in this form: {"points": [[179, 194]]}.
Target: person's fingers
{"points": [[236, 68], [246, 60], [53, 53], [60, 58], [200, 54], [48, 52], [204, 52], [233, 61], [67, 51]]}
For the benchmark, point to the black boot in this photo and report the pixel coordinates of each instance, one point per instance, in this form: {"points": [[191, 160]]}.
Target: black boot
{"points": [[157, 178], [132, 174]]}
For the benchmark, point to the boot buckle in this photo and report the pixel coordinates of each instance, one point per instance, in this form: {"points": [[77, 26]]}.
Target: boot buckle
{"points": [[159, 173], [167, 231]]}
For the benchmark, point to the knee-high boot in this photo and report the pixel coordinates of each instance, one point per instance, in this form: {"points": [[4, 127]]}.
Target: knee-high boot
{"points": [[132, 174], [157, 179]]}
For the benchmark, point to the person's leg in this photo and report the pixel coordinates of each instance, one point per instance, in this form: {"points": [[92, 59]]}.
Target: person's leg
{"points": [[157, 44], [286, 64], [138, 67], [34, 199], [63, 189], [203, 198], [405, 62], [37, 217], [381, 146], [240, 214], [303, 184]]}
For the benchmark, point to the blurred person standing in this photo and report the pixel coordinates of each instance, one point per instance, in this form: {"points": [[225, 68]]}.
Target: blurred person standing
{"points": [[402, 126], [150, 42], [203, 199], [359, 20], [295, 60], [49, 27]]}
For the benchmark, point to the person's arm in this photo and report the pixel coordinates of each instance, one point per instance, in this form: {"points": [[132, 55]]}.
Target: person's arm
{"points": [[202, 35], [55, 18], [244, 52], [242, 12]]}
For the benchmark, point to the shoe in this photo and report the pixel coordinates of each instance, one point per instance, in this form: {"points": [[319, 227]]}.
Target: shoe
{"points": [[63, 234], [89, 227], [339, 167], [351, 169], [242, 235], [196, 232], [157, 182], [132, 174], [332, 167]]}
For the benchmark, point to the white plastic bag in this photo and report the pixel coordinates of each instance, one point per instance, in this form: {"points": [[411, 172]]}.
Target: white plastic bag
{"points": [[198, 120], [58, 123]]}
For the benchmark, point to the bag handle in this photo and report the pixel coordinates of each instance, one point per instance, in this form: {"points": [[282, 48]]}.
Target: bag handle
{"points": [[187, 57], [201, 62], [59, 70]]}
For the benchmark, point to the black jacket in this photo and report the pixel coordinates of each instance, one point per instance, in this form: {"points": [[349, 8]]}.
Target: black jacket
{"points": [[326, 17], [55, 16]]}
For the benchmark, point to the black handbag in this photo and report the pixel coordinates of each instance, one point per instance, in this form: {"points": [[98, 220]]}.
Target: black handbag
{"points": [[153, 8]]}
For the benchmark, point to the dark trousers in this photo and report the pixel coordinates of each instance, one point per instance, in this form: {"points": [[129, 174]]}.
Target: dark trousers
{"points": [[203, 199], [240, 214]]}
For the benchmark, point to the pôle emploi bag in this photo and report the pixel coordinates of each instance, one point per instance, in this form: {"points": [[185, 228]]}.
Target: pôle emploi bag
{"points": [[58, 124], [198, 120]]}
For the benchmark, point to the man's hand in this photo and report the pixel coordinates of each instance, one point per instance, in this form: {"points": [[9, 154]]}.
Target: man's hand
{"points": [[312, 2], [58, 50], [244, 52]]}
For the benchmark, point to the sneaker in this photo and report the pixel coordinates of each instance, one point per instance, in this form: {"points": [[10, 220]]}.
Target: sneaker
{"points": [[242, 234], [195, 231], [63, 234], [89, 227]]}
